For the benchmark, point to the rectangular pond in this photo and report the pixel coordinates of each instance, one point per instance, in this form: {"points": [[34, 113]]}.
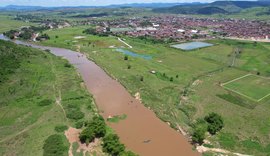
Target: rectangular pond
{"points": [[191, 45], [130, 53]]}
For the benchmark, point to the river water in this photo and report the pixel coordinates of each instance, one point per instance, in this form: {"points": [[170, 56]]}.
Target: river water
{"points": [[141, 132]]}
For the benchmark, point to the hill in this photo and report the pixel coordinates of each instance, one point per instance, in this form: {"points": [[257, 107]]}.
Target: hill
{"points": [[131, 5], [218, 7]]}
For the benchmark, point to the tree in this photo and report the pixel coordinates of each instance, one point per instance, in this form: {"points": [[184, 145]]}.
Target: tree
{"points": [[112, 145], [199, 130], [99, 126], [95, 129], [87, 135], [215, 123], [198, 135]]}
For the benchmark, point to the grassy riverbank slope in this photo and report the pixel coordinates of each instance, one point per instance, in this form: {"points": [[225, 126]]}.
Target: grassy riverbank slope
{"points": [[198, 73], [41, 95]]}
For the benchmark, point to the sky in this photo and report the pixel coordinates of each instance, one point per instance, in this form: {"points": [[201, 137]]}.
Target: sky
{"points": [[85, 2]]}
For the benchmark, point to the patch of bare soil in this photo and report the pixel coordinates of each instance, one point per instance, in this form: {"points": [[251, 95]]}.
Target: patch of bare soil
{"points": [[196, 83], [72, 134], [138, 97]]}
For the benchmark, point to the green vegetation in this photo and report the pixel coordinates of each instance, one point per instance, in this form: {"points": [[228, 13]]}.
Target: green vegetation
{"points": [[94, 129], [7, 23], [112, 145], [246, 86], [215, 123], [55, 146], [31, 81], [197, 75], [117, 118], [60, 128]]}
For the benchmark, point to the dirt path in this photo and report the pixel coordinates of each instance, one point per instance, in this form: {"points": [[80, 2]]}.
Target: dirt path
{"points": [[56, 88], [119, 39]]}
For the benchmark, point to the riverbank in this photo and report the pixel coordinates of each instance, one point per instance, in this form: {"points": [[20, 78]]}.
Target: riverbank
{"points": [[141, 124], [35, 100]]}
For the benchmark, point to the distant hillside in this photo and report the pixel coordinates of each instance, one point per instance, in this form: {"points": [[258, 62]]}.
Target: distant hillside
{"points": [[132, 5], [218, 7]]}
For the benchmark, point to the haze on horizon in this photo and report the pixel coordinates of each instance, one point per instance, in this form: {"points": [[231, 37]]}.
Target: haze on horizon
{"points": [[50, 3]]}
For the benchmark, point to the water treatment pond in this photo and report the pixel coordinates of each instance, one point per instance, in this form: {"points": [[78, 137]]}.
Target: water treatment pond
{"points": [[192, 45]]}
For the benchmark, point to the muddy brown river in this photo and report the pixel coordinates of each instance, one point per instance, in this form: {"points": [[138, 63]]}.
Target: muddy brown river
{"points": [[141, 132]]}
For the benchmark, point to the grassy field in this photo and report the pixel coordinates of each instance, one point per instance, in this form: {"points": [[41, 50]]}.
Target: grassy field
{"points": [[7, 23], [29, 112], [199, 72]]}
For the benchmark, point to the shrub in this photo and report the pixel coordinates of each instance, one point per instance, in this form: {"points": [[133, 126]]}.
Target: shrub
{"points": [[128, 153], [60, 128], [54, 146], [141, 78], [75, 114], [126, 58], [129, 66], [67, 65], [45, 102]]}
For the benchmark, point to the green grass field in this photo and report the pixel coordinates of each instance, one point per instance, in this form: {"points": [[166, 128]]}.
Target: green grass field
{"points": [[250, 86], [199, 71]]}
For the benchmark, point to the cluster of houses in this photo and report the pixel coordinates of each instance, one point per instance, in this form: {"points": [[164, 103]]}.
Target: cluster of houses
{"points": [[183, 27]]}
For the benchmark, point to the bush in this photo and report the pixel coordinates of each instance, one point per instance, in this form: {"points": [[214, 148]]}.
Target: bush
{"points": [[45, 102], [75, 114], [112, 145], [215, 123], [128, 153], [141, 78], [79, 124], [54, 146], [67, 65], [126, 58], [60, 128]]}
